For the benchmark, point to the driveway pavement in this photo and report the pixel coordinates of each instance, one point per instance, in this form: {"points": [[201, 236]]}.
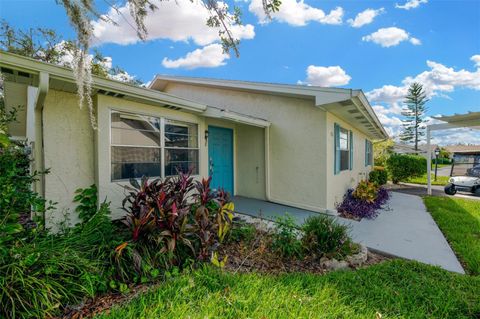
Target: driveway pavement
{"points": [[421, 190], [405, 229], [443, 171]]}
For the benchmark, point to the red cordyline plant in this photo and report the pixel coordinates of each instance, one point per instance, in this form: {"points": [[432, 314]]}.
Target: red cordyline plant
{"points": [[177, 216]]}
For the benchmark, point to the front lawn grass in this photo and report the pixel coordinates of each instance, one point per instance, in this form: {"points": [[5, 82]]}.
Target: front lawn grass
{"points": [[394, 289], [422, 180], [459, 220]]}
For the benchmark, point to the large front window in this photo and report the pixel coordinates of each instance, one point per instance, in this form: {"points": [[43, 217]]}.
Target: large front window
{"points": [[151, 146]]}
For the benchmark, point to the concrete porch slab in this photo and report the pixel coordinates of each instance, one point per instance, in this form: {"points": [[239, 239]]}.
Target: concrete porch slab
{"points": [[404, 229]]}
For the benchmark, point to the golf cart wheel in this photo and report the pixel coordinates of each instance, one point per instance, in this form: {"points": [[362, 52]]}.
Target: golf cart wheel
{"points": [[450, 189], [477, 191]]}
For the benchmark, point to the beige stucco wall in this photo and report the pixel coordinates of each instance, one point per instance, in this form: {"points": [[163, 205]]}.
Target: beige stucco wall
{"points": [[297, 167], [68, 151], [78, 156], [250, 157], [339, 183], [300, 139], [16, 97]]}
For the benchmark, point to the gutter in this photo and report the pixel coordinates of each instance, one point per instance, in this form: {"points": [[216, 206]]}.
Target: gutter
{"points": [[38, 150]]}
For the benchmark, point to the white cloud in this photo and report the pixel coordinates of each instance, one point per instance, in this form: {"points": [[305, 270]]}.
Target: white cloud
{"points": [[107, 64], [387, 93], [122, 77], [365, 17], [326, 76], [455, 136], [388, 37], [410, 4], [415, 41], [210, 56], [392, 123], [297, 13], [180, 20], [437, 81], [476, 60]]}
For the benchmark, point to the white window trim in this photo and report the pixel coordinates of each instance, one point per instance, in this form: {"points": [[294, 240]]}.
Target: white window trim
{"points": [[340, 128], [162, 146]]}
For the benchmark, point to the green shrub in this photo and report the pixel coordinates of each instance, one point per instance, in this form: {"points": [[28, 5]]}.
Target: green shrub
{"points": [[285, 238], [378, 176], [47, 272], [17, 200], [178, 217], [242, 231], [324, 237], [366, 191], [402, 167], [87, 202]]}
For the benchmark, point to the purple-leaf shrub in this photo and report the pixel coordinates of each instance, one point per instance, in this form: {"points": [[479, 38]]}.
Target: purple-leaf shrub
{"points": [[352, 206]]}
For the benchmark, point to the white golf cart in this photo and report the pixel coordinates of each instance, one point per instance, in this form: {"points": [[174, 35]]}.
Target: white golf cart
{"points": [[465, 174]]}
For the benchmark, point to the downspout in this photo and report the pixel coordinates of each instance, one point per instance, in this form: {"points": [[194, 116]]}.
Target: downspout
{"points": [[39, 155], [267, 163]]}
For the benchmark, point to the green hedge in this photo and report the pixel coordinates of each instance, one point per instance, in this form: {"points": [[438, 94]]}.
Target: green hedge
{"points": [[442, 161], [402, 167], [378, 176]]}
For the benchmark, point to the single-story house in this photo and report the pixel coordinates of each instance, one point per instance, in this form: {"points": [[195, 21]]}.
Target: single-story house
{"points": [[463, 149], [301, 146]]}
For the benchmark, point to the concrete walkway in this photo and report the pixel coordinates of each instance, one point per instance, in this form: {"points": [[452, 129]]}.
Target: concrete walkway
{"points": [[404, 229]]}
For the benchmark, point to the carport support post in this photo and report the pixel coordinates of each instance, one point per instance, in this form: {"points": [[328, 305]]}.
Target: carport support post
{"points": [[429, 163]]}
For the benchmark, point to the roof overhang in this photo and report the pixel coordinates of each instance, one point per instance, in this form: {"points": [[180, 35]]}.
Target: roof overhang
{"points": [[470, 119], [356, 109], [25, 70], [218, 113], [347, 104]]}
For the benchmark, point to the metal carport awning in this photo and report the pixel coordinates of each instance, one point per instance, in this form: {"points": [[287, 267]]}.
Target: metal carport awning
{"points": [[468, 120]]}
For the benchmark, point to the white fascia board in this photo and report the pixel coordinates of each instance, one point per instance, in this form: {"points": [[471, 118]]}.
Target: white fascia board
{"points": [[321, 98], [235, 117], [285, 89]]}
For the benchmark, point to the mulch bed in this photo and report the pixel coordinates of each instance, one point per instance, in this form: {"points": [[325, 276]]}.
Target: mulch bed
{"points": [[257, 257], [103, 303]]}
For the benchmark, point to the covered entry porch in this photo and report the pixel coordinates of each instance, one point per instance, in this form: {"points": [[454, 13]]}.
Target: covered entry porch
{"points": [[236, 152]]}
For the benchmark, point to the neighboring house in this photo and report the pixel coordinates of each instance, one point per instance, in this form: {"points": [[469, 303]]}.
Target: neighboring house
{"points": [[302, 146], [462, 149]]}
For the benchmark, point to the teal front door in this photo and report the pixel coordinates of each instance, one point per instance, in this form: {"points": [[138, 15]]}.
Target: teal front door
{"points": [[220, 157]]}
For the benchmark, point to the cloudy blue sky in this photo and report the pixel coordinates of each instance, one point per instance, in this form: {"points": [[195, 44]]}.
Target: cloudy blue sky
{"points": [[378, 46]]}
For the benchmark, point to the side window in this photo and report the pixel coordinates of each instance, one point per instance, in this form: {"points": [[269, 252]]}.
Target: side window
{"points": [[343, 148], [368, 153]]}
